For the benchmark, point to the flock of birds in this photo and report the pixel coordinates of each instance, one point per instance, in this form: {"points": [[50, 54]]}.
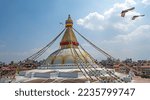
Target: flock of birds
{"points": [[123, 13], [130, 9]]}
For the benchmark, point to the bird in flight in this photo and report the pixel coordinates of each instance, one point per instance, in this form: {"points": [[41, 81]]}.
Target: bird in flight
{"points": [[136, 16], [125, 11]]}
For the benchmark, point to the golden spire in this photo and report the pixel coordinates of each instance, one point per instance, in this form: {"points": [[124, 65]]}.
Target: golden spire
{"points": [[69, 39], [69, 22]]}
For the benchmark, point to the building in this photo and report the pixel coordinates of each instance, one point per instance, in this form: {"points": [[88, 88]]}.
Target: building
{"points": [[70, 63], [146, 71], [121, 68]]}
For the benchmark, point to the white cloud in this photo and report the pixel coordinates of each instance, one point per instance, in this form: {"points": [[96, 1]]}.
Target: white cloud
{"points": [[128, 38], [110, 18], [146, 2], [119, 6], [121, 26], [91, 21], [130, 2], [142, 32], [134, 44]]}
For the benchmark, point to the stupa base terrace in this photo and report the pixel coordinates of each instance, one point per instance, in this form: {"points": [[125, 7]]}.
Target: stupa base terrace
{"points": [[67, 74]]}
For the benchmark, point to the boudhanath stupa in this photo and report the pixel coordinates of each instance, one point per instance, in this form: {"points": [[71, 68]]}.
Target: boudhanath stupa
{"points": [[71, 63]]}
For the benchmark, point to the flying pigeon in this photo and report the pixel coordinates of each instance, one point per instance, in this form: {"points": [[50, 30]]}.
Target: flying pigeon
{"points": [[136, 16], [125, 11]]}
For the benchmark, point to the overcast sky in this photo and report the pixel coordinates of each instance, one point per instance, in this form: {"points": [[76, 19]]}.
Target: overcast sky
{"points": [[28, 25]]}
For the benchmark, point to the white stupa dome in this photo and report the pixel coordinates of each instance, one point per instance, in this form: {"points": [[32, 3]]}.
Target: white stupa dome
{"points": [[68, 56]]}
